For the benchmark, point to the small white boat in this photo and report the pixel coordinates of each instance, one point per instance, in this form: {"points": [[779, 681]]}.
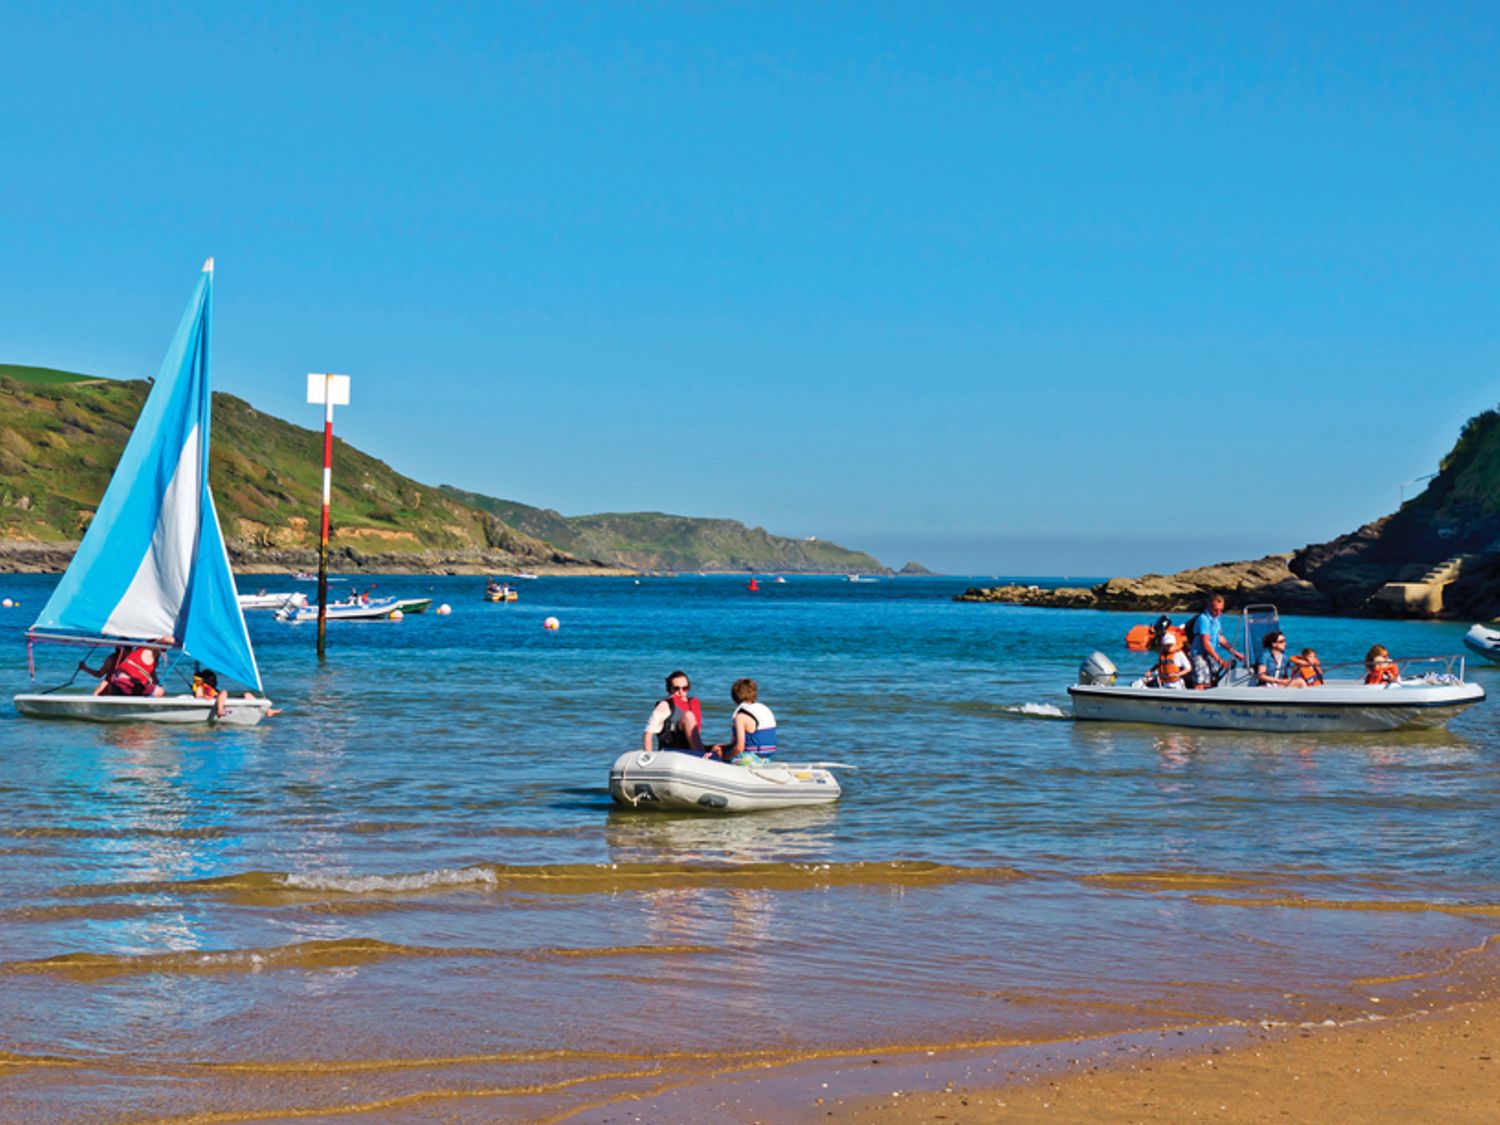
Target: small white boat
{"points": [[1484, 641], [1430, 692], [151, 571], [861, 578], [262, 600], [667, 779], [523, 574]]}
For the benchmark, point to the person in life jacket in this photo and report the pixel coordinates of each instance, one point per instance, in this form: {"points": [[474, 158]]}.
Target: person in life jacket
{"points": [[1173, 668], [677, 721], [1274, 669], [1307, 671], [754, 727], [128, 671], [1379, 667]]}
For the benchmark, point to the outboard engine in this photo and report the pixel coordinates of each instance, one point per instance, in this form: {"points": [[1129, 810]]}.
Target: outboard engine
{"points": [[1097, 669]]}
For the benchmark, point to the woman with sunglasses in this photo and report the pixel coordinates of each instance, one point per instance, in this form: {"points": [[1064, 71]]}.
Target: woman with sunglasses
{"points": [[1274, 669], [677, 721]]}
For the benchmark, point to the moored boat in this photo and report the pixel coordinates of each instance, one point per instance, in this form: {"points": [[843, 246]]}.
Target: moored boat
{"points": [[151, 576], [1430, 692], [263, 600], [667, 779], [1485, 642], [356, 608]]}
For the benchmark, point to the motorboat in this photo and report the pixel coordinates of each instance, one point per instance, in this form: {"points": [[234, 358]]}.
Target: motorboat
{"points": [[263, 600], [668, 779], [413, 605], [524, 575], [1429, 693], [500, 592], [1484, 641], [152, 572], [359, 607]]}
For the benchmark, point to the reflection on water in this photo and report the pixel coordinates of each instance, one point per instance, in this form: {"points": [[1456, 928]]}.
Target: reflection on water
{"points": [[431, 889]]}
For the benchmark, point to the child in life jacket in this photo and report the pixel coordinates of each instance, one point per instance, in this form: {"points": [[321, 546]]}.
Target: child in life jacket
{"points": [[754, 727], [1379, 667], [1306, 669], [206, 686], [1173, 667], [128, 671]]}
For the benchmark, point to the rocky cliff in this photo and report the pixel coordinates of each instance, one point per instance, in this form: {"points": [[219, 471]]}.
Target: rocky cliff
{"points": [[1438, 556]]}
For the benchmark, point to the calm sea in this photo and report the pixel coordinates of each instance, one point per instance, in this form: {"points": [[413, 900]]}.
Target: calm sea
{"points": [[409, 894]]}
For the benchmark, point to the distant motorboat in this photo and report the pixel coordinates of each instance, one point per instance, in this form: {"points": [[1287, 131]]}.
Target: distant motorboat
{"points": [[523, 575], [859, 578], [356, 608], [262, 600], [780, 579]]}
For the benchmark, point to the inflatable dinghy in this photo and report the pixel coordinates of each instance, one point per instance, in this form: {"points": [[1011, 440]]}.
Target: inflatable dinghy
{"points": [[668, 779]]}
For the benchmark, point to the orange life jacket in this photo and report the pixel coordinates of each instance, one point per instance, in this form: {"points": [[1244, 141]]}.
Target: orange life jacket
{"points": [[1168, 671], [1383, 672], [1310, 670]]}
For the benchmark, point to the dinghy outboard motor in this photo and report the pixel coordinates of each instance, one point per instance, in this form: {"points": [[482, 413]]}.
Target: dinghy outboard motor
{"points": [[1097, 669]]}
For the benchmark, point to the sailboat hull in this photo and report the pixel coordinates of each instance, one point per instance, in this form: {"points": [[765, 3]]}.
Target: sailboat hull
{"points": [[175, 709]]}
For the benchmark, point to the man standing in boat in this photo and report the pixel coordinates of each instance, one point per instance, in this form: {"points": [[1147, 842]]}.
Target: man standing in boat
{"points": [[677, 721], [1208, 638]]}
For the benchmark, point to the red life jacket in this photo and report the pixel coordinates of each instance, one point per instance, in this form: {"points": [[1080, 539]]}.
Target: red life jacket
{"points": [[139, 664], [672, 736]]}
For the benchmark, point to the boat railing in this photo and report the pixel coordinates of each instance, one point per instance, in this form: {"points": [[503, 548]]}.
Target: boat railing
{"points": [[1413, 669]]}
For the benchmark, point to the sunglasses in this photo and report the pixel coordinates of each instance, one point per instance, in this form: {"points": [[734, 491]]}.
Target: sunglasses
{"points": [[682, 687]]}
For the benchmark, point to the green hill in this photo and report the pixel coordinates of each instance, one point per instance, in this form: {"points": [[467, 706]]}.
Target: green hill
{"points": [[657, 541], [61, 435]]}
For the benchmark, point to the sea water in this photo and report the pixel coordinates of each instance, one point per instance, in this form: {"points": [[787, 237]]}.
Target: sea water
{"points": [[410, 895]]}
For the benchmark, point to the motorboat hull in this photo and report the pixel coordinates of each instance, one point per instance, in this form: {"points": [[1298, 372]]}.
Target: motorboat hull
{"points": [[272, 601], [174, 709], [671, 780], [1336, 707], [1484, 642], [377, 609]]}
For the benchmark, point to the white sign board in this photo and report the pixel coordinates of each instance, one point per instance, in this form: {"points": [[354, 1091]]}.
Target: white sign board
{"points": [[332, 389]]}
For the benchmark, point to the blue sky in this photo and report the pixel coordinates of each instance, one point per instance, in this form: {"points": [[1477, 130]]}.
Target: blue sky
{"points": [[1090, 289]]}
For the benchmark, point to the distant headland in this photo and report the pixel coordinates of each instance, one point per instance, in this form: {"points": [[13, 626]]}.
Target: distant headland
{"points": [[1438, 556]]}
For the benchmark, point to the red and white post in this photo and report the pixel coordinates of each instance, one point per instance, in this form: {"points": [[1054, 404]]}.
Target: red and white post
{"points": [[329, 390]]}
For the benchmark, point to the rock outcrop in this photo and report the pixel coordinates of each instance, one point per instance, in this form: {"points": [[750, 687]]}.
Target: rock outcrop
{"points": [[1438, 556]]}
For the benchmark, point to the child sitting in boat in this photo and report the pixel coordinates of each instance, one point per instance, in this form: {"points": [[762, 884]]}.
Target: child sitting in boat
{"points": [[1173, 667], [206, 686], [1306, 669], [129, 671], [1379, 667], [754, 727]]}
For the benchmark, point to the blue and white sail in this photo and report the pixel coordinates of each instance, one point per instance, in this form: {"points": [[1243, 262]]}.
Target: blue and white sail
{"points": [[152, 563]]}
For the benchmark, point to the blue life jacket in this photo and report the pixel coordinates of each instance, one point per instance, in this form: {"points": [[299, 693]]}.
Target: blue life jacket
{"points": [[761, 740]]}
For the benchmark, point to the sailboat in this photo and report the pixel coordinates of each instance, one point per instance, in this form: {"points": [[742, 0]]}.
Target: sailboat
{"points": [[152, 571]]}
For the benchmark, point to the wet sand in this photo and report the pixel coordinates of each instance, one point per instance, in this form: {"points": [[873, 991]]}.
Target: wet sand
{"points": [[1439, 1067], [1442, 1066]]}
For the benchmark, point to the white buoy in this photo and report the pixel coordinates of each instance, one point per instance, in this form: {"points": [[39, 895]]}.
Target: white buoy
{"points": [[444, 610], [6, 602], [397, 615], [552, 624]]}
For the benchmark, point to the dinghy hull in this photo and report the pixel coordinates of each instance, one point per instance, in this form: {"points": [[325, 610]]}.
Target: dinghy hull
{"points": [[174, 709], [670, 780]]}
